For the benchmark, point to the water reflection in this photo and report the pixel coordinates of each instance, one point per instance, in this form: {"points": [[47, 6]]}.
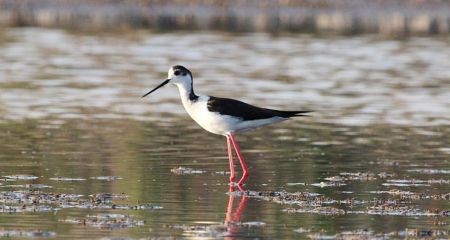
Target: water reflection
{"points": [[233, 217], [230, 228]]}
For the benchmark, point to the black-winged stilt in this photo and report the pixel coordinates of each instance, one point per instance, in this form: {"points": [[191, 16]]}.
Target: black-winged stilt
{"points": [[223, 116]]}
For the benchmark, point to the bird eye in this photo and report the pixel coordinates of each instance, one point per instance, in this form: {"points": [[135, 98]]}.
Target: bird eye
{"points": [[177, 72]]}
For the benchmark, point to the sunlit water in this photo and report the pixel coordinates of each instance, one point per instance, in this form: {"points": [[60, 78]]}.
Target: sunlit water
{"points": [[83, 156]]}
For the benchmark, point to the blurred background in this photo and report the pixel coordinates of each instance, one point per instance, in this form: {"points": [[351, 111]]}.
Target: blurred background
{"points": [[82, 155], [387, 17]]}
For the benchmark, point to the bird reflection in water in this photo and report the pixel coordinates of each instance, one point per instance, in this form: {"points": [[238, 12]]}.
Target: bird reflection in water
{"points": [[233, 221]]}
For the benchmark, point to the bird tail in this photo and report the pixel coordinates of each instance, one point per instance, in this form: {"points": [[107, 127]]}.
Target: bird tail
{"points": [[288, 114]]}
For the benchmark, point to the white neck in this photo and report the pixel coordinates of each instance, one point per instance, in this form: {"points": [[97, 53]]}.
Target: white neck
{"points": [[186, 93]]}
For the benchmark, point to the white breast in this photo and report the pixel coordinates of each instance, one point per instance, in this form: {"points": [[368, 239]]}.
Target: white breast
{"points": [[211, 121]]}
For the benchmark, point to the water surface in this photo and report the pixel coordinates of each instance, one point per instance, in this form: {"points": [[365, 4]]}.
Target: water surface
{"points": [[83, 156]]}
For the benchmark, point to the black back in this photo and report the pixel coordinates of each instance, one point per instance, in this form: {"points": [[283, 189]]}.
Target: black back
{"points": [[244, 111]]}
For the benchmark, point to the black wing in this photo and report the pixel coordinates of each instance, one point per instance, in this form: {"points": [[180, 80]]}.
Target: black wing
{"points": [[235, 108]]}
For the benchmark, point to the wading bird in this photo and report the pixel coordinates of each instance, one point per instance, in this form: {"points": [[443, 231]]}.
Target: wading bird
{"points": [[223, 116]]}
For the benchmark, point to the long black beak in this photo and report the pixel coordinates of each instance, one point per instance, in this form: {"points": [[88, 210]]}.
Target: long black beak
{"points": [[156, 88]]}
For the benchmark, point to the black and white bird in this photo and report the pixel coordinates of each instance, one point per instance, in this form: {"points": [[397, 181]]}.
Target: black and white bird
{"points": [[223, 116]]}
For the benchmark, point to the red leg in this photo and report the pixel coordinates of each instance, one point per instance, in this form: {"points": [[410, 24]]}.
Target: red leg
{"points": [[241, 159], [230, 157]]}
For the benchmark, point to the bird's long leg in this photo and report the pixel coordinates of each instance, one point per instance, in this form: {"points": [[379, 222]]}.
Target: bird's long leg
{"points": [[230, 157], [241, 159]]}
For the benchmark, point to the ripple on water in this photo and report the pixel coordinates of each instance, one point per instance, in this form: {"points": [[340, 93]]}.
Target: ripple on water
{"points": [[400, 205], [366, 234], [26, 233], [429, 171], [106, 221], [38, 201], [67, 179], [32, 186], [376, 82], [106, 178], [186, 171], [21, 177]]}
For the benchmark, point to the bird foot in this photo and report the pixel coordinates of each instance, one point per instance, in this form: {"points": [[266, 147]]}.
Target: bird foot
{"points": [[234, 185], [243, 178]]}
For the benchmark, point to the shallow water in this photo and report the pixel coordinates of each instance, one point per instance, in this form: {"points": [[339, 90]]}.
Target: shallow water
{"points": [[83, 156]]}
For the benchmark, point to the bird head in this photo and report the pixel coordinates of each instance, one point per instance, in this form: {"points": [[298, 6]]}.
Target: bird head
{"points": [[177, 75]]}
